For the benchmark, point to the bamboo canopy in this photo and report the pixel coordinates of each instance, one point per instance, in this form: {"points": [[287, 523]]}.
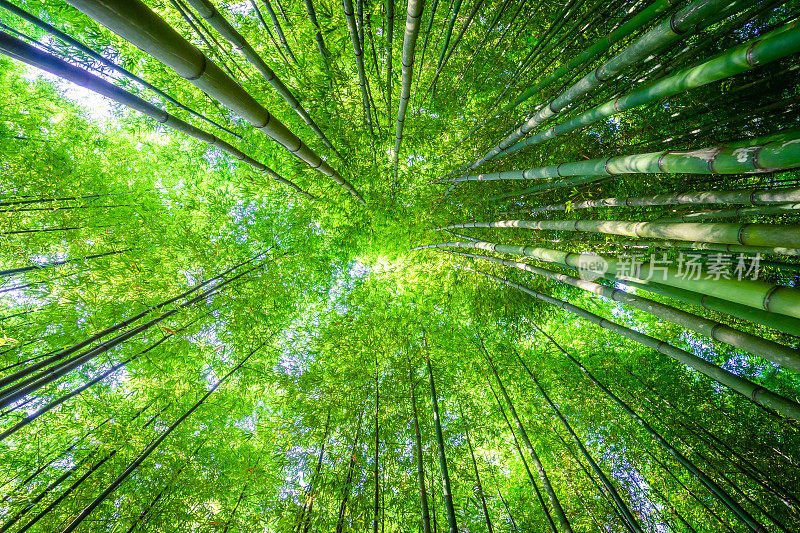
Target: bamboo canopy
{"points": [[200, 332], [24, 52], [677, 26], [135, 22]]}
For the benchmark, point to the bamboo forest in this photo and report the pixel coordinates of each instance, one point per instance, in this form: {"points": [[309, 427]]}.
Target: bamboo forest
{"points": [[425, 266]]}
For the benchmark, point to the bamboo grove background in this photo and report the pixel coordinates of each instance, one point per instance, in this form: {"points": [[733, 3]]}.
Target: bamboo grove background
{"points": [[367, 315]]}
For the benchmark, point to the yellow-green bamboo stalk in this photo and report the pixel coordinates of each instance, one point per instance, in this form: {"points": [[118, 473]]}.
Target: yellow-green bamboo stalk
{"points": [[211, 14], [737, 212], [762, 50], [358, 51], [779, 151], [413, 16], [783, 323], [756, 393], [754, 293], [765, 235], [26, 53], [740, 196], [679, 26], [777, 353], [138, 24]]}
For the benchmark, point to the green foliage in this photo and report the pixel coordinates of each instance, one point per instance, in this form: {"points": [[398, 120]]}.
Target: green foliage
{"points": [[337, 307]]}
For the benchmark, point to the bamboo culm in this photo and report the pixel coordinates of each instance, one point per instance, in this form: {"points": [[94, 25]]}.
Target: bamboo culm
{"points": [[108, 63], [349, 480], [698, 474], [748, 292], [35, 382], [423, 494], [359, 54], [539, 497], [23, 52], [785, 406], [775, 236], [20, 270], [425, 43], [323, 50], [446, 491], [737, 212], [554, 501], [139, 25], [276, 26], [757, 197], [389, 50], [478, 486], [58, 401], [212, 15], [413, 17], [679, 26], [777, 353], [765, 49], [779, 151], [637, 22], [107, 331], [628, 519], [78, 520], [456, 42]]}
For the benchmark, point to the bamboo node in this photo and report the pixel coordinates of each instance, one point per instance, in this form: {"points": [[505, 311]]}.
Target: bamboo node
{"points": [[755, 392], [674, 26], [756, 165], [660, 161], [768, 297], [202, 69], [740, 233], [749, 54]]}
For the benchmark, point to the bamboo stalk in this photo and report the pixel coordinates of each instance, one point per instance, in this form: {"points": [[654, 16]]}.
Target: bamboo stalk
{"points": [[108, 63], [359, 55], [575, 181], [423, 494], [757, 197], [762, 50], [698, 474], [136, 23], [756, 393], [276, 26], [489, 30], [763, 235], [517, 446], [479, 486], [446, 57], [558, 510], [323, 50], [413, 16], [212, 15], [389, 50], [84, 514], [447, 492], [679, 26], [737, 212], [777, 353], [27, 54], [627, 516], [425, 43], [260, 17], [779, 151], [754, 293]]}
